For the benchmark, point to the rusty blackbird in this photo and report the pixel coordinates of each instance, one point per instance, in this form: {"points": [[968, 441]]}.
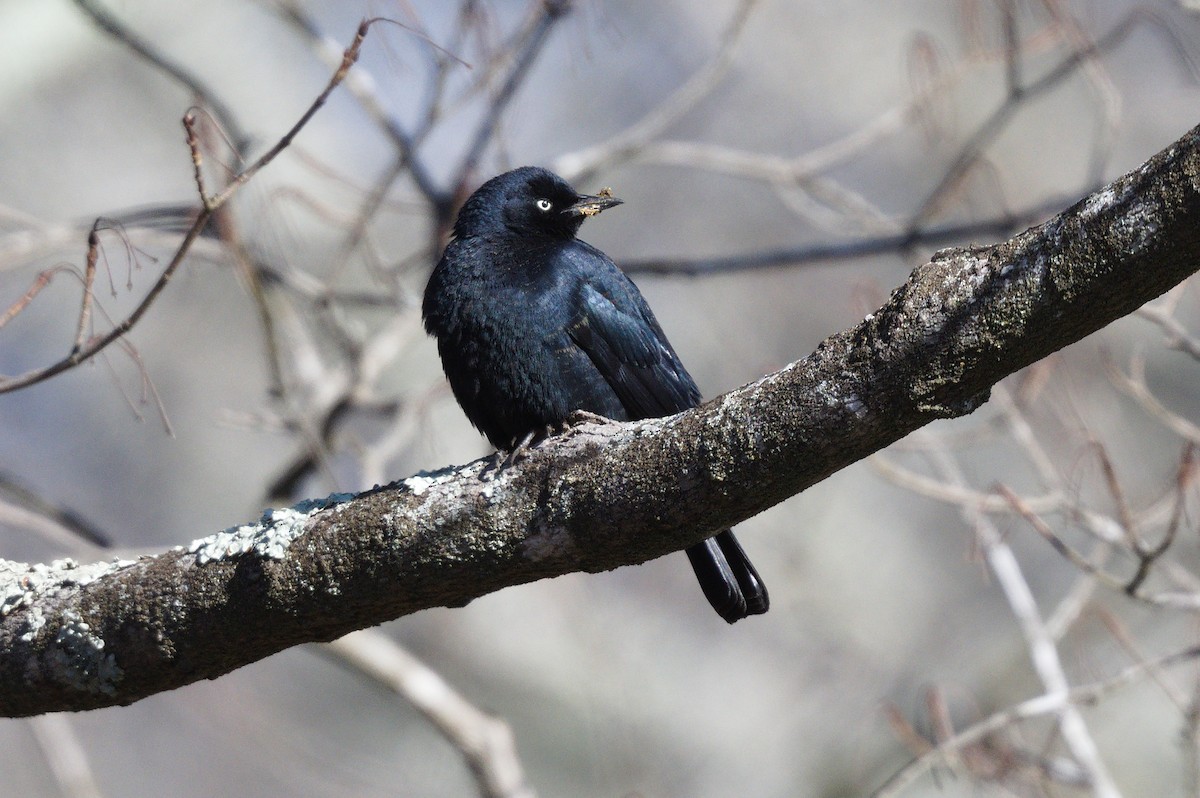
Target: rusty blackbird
{"points": [[533, 324]]}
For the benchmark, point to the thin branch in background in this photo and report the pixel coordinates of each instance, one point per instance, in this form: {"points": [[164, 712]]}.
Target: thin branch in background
{"points": [[1017, 97], [313, 290], [1191, 740], [925, 76], [959, 496], [89, 285], [365, 92], [1155, 673], [18, 519], [1067, 26], [1043, 652], [193, 144], [316, 454], [107, 22], [310, 410], [149, 389], [1148, 555], [528, 46], [337, 175], [247, 268], [378, 456], [17, 493], [484, 740], [43, 279], [1038, 707], [322, 426], [1134, 385], [583, 165], [349, 57], [813, 254], [1042, 528], [356, 232], [800, 172], [995, 759], [90, 307], [1177, 336], [1023, 434], [65, 755], [98, 343], [1116, 493], [1145, 555], [907, 733], [1110, 534], [470, 21]]}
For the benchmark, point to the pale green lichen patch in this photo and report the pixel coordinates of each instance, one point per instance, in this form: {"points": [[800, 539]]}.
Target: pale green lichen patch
{"points": [[22, 584], [270, 536], [77, 658], [423, 481]]}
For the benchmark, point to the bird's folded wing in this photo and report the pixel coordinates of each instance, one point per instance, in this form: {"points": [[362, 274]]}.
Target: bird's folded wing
{"points": [[631, 353]]}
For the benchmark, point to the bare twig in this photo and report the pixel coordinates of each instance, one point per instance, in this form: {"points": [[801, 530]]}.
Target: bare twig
{"points": [[484, 740], [65, 756], [527, 49], [42, 280], [1134, 384], [211, 204], [1177, 336], [1017, 97], [107, 22], [847, 250], [1043, 652], [1040, 706], [582, 166], [366, 93], [61, 517]]}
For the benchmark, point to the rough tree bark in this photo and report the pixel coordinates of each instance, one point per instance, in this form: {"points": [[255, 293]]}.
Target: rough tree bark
{"points": [[80, 637]]}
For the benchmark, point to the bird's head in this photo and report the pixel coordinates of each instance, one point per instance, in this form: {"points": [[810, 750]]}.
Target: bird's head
{"points": [[529, 201]]}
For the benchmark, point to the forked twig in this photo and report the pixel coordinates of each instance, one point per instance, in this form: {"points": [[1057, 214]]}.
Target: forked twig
{"points": [[89, 348]]}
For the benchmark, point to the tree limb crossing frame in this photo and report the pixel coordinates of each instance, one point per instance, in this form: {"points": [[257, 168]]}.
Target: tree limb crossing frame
{"points": [[81, 637]]}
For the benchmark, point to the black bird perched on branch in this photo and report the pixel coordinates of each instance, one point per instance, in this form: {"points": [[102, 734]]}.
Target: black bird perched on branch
{"points": [[533, 325]]}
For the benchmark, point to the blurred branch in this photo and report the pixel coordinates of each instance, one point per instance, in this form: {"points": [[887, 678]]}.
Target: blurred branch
{"points": [[483, 739], [365, 92], [847, 250], [601, 496], [61, 517], [1019, 95], [526, 50], [1134, 385], [210, 204], [1029, 709], [119, 31], [65, 755], [1177, 336], [582, 166], [1043, 650]]}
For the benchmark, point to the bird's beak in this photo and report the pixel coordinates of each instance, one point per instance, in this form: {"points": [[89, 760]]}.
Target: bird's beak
{"points": [[592, 204]]}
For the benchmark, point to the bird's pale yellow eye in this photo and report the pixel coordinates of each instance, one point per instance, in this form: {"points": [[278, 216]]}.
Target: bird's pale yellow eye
{"points": [[544, 205]]}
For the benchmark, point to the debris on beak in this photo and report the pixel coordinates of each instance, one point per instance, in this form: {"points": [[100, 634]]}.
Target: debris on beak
{"points": [[592, 204]]}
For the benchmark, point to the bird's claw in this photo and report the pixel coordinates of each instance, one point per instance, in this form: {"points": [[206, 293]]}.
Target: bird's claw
{"points": [[502, 460], [578, 418]]}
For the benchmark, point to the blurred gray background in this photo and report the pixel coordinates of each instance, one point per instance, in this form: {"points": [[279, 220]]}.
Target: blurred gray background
{"points": [[625, 683]]}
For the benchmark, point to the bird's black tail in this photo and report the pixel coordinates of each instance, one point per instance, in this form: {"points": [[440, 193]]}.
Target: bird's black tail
{"points": [[729, 581]]}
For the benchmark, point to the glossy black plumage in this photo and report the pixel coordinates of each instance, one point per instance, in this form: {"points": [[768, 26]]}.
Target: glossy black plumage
{"points": [[533, 324]]}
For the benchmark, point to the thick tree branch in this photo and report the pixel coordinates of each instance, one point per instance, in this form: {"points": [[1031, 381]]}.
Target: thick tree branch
{"points": [[606, 495]]}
